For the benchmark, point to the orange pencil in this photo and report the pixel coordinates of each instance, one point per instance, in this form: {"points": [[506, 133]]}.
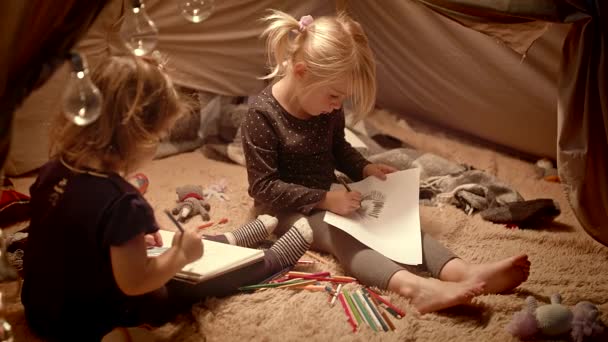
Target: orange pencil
{"points": [[206, 225]]}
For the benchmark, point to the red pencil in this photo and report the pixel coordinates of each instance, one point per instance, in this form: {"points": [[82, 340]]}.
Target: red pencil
{"points": [[347, 311], [385, 302], [333, 280]]}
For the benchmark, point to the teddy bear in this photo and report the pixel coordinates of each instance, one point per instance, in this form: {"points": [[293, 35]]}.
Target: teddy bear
{"points": [[556, 319], [190, 201]]}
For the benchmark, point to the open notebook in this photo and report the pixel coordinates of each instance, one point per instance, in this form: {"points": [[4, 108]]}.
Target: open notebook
{"points": [[218, 258]]}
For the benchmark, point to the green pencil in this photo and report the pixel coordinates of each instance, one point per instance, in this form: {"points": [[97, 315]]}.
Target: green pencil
{"points": [[269, 285], [364, 311], [353, 307]]}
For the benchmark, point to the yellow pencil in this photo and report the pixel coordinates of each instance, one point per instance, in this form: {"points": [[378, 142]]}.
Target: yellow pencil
{"points": [[302, 283]]}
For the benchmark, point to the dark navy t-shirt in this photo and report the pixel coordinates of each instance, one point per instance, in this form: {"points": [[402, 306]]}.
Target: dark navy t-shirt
{"points": [[69, 288]]}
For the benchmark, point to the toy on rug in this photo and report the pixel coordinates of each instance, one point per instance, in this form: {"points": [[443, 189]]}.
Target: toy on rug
{"points": [[190, 201], [218, 190], [556, 319]]}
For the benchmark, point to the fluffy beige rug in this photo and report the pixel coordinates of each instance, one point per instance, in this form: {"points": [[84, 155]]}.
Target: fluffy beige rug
{"points": [[564, 258]]}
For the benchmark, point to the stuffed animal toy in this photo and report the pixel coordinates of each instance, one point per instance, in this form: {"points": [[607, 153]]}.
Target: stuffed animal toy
{"points": [[190, 201], [556, 319]]}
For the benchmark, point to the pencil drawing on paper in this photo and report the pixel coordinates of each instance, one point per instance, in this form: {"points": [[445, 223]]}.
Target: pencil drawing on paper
{"points": [[372, 204]]}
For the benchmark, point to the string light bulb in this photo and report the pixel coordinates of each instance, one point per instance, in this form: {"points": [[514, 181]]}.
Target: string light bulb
{"points": [[138, 31], [197, 11], [81, 99], [6, 330]]}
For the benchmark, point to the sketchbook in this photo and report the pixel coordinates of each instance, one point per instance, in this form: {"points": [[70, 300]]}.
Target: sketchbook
{"points": [[218, 258], [389, 218]]}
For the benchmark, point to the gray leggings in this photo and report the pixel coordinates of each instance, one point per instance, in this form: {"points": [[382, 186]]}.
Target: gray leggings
{"points": [[368, 266]]}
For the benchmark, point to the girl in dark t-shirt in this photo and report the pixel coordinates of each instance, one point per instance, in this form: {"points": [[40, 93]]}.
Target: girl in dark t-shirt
{"points": [[86, 270]]}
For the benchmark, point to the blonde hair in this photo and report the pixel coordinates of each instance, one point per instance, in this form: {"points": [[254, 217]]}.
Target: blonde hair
{"points": [[139, 105], [331, 47]]}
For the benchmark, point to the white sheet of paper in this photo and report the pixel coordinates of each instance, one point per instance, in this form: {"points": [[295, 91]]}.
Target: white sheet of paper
{"points": [[389, 218], [218, 258]]}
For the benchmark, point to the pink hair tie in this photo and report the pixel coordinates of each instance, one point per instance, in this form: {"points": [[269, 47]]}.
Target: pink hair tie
{"points": [[305, 21]]}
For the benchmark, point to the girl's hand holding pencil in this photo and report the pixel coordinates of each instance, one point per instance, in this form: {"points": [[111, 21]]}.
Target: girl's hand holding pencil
{"points": [[341, 202], [189, 242]]}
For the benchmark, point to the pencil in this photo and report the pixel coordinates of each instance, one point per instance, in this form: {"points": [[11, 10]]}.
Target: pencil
{"points": [[381, 310], [375, 311], [353, 307], [360, 298], [333, 300], [179, 226], [393, 309], [347, 310], [344, 183], [302, 282]]}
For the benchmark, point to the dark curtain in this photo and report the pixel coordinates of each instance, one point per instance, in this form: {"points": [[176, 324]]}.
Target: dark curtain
{"points": [[582, 146], [35, 36]]}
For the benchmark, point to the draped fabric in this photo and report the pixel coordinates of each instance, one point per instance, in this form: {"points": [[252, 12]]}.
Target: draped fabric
{"points": [[582, 144], [34, 37]]}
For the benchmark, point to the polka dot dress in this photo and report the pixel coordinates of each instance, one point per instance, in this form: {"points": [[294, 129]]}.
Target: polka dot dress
{"points": [[290, 161]]}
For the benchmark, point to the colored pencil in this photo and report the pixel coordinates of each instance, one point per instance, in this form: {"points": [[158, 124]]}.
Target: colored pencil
{"points": [[386, 302], [316, 257], [372, 316], [177, 224], [297, 274], [301, 283], [388, 321], [310, 288], [333, 299], [306, 262], [364, 313], [277, 275], [375, 311], [330, 279], [344, 183], [353, 307], [268, 285], [381, 310], [346, 308]]}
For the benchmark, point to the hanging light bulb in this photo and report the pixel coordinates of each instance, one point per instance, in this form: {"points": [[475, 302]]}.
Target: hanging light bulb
{"points": [[81, 99], [138, 31], [6, 331], [196, 10]]}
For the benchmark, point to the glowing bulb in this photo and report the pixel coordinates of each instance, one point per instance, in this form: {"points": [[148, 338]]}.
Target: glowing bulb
{"points": [[197, 10], [6, 331], [138, 31], [81, 99]]}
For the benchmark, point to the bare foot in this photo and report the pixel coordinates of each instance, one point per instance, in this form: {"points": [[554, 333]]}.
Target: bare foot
{"points": [[500, 276], [434, 295]]}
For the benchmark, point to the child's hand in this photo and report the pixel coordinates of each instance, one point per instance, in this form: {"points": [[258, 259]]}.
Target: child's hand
{"points": [[341, 202], [153, 240], [189, 244], [377, 170]]}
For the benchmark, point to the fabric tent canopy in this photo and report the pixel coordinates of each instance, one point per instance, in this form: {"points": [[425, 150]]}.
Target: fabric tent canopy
{"points": [[582, 146]]}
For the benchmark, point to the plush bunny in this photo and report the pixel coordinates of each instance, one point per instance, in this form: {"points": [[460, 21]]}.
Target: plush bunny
{"points": [[190, 201], [556, 319]]}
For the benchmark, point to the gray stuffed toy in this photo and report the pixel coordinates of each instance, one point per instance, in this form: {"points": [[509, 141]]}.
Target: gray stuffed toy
{"points": [[190, 202]]}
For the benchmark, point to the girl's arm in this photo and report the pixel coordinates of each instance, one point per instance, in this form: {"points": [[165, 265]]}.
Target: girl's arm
{"points": [[261, 146], [135, 273], [348, 159]]}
